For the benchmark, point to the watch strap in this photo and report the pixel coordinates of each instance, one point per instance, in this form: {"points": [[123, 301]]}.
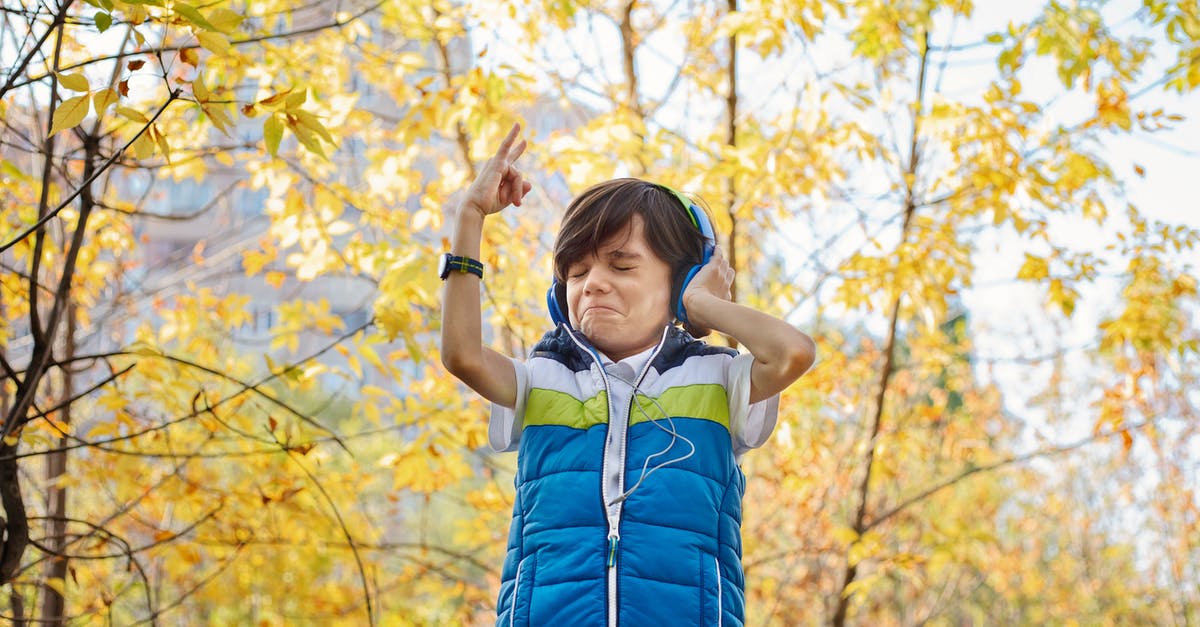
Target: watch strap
{"points": [[455, 263]]}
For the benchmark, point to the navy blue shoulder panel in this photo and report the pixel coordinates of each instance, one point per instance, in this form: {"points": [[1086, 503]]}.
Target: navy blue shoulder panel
{"points": [[556, 344], [680, 345]]}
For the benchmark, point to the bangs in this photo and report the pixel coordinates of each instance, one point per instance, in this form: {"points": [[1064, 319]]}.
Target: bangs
{"points": [[592, 219], [605, 211]]}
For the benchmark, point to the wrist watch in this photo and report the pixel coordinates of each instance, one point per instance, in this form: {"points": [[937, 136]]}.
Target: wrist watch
{"points": [[448, 263]]}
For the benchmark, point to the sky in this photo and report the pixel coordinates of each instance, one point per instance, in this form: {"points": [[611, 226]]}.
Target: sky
{"points": [[1008, 318]]}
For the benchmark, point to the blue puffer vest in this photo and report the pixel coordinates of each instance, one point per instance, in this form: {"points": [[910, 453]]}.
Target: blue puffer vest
{"points": [[583, 549]]}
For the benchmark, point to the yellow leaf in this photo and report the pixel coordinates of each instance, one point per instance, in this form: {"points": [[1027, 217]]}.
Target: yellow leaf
{"points": [[189, 554], [190, 56], [132, 114], [225, 20], [199, 90], [123, 418], [845, 535], [272, 134], [1035, 268], [70, 113], [274, 102], [214, 42], [103, 99], [372, 357], [74, 82], [161, 140], [142, 147], [113, 401], [216, 114]]}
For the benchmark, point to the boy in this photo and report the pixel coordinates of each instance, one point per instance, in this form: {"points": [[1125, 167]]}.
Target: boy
{"points": [[628, 503]]}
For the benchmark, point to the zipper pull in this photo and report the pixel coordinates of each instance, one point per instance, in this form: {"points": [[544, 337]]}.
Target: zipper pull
{"points": [[612, 551]]}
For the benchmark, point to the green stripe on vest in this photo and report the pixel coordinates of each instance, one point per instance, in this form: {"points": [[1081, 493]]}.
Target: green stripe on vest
{"points": [[549, 407], [702, 400]]}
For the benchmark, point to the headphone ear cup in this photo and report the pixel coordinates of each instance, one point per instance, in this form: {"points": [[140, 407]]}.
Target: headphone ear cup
{"points": [[556, 302], [677, 302]]}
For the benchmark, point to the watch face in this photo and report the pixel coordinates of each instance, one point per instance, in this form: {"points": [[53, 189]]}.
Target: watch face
{"points": [[444, 265]]}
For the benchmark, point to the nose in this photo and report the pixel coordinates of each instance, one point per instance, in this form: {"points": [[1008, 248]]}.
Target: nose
{"points": [[597, 280]]}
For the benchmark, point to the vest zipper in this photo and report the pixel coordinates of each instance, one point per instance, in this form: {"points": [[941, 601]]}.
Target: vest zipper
{"points": [[612, 506]]}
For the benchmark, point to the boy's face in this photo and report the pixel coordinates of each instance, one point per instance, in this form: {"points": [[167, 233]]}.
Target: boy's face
{"points": [[618, 297]]}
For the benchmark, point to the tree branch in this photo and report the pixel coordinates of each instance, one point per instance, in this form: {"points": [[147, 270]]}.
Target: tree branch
{"points": [[59, 19], [63, 205]]}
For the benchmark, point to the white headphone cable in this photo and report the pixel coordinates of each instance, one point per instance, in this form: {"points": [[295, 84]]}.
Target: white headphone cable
{"points": [[646, 470]]}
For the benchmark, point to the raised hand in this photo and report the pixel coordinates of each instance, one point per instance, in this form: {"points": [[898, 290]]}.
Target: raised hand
{"points": [[499, 183]]}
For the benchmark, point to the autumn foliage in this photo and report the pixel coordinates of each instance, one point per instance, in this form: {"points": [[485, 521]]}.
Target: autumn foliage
{"points": [[221, 397]]}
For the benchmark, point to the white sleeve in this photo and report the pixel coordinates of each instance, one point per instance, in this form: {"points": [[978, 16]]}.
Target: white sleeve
{"points": [[750, 425], [504, 427]]}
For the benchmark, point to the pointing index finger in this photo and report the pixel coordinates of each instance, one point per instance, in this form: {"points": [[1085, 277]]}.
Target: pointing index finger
{"points": [[508, 140]]}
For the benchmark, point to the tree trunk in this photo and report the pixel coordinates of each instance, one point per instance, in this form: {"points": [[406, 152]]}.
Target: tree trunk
{"points": [[54, 601], [16, 526], [910, 204], [629, 45]]}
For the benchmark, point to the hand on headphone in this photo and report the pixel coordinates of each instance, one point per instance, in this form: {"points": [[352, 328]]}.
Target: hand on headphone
{"points": [[499, 183], [715, 278]]}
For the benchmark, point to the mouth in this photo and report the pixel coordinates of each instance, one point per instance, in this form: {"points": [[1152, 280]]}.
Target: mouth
{"points": [[599, 309]]}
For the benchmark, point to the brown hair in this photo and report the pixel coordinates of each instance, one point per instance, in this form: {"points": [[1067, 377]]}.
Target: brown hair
{"points": [[607, 208]]}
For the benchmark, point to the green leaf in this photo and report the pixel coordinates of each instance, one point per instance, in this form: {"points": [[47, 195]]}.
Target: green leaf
{"points": [[70, 113], [272, 134], [295, 99], [103, 21], [190, 13], [74, 82], [312, 123], [307, 138]]}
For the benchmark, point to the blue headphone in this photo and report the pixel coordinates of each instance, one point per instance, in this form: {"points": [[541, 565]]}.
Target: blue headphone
{"points": [[556, 296]]}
